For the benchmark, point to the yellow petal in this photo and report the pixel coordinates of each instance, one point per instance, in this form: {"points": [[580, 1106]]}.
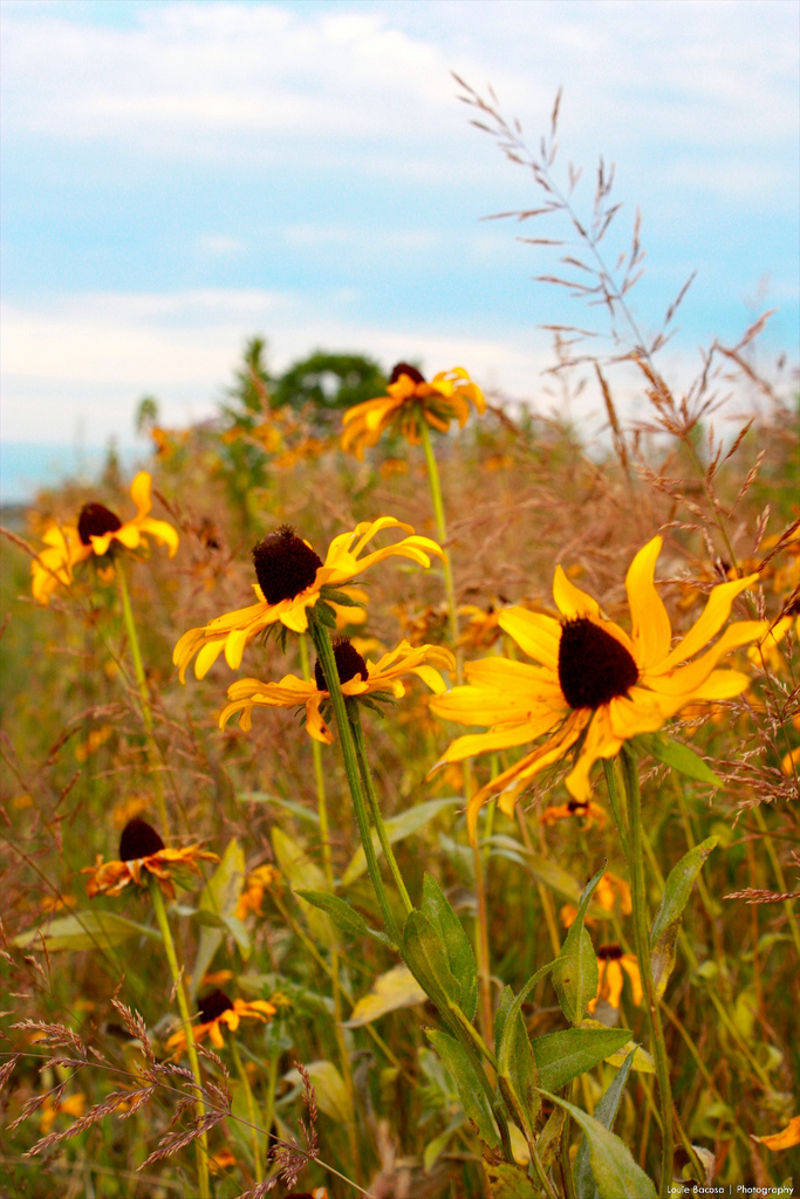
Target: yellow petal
{"points": [[570, 600], [652, 631], [140, 493], [537, 635], [707, 625], [785, 1139]]}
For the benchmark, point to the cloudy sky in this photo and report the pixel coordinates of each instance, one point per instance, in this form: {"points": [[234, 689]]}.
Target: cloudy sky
{"points": [[180, 176]]}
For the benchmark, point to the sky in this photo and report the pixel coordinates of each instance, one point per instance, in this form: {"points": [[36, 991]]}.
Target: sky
{"points": [[178, 177]]}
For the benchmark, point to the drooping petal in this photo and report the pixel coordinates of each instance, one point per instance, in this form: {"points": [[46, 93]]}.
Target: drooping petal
{"points": [[141, 493]]}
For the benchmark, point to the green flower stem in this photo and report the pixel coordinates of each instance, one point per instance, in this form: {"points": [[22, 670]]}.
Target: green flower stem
{"points": [[375, 811], [441, 532], [327, 862], [641, 928], [482, 926], [144, 698], [258, 1165], [327, 661], [201, 1145]]}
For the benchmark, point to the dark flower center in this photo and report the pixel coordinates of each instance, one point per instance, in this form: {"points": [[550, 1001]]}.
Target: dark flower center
{"points": [[139, 839], [95, 520], [213, 1005], [609, 953], [403, 368], [349, 663], [575, 806], [285, 565], [593, 667]]}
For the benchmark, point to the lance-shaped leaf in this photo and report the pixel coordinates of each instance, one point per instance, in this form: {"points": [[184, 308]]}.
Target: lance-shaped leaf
{"points": [[667, 922], [216, 907], [471, 1094], [343, 915], [460, 954], [396, 988], [301, 873], [575, 972], [564, 1055], [516, 1073], [680, 757], [84, 930], [397, 828], [614, 1171], [605, 1113], [425, 954]]}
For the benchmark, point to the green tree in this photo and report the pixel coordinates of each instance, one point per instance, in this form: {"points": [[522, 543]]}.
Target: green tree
{"points": [[324, 384]]}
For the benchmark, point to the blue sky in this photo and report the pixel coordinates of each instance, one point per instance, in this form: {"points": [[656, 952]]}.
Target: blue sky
{"points": [[179, 176]]}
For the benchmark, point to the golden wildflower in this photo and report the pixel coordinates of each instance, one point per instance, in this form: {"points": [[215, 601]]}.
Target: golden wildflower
{"points": [[216, 1010], [612, 894], [262, 879], [291, 580], [72, 1105], [591, 686], [766, 653], [613, 965], [586, 811], [410, 400], [357, 677], [98, 530], [142, 852]]}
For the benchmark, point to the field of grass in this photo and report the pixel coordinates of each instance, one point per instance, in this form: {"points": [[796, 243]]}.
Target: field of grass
{"points": [[579, 984]]}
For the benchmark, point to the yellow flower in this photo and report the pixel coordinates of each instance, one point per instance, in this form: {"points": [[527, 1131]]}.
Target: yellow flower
{"points": [[611, 894], [216, 1010], [409, 401], [73, 1105], [357, 677], [262, 879], [613, 965], [98, 528], [591, 686], [765, 653], [588, 812], [291, 580], [142, 852]]}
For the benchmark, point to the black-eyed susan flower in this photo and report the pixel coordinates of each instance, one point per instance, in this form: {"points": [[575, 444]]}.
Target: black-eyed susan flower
{"points": [[612, 966], [143, 853], [98, 530], [586, 812], [409, 401], [292, 579], [612, 894], [590, 685], [261, 879], [357, 677], [216, 1011]]}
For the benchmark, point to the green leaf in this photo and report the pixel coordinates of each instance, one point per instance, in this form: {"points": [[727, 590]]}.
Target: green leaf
{"points": [[426, 956], [216, 904], [667, 922], [575, 971], [302, 874], [553, 876], [614, 1171], [507, 1181], [396, 988], [680, 757], [606, 1113], [329, 1088], [564, 1055], [460, 954], [343, 914], [84, 930], [289, 805], [397, 828], [517, 1075], [468, 1087]]}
